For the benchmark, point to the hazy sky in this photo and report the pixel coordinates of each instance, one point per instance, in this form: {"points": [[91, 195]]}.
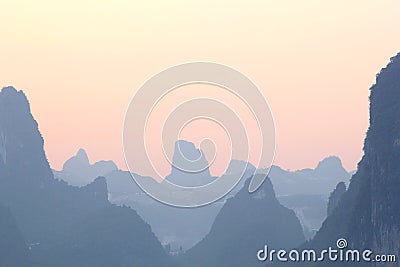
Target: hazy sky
{"points": [[80, 62]]}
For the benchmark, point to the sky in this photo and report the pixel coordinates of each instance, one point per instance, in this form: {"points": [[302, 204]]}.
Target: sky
{"points": [[80, 63]]}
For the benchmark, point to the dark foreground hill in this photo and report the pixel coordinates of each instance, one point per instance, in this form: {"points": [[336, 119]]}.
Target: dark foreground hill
{"points": [[63, 225], [368, 213], [13, 249], [244, 225]]}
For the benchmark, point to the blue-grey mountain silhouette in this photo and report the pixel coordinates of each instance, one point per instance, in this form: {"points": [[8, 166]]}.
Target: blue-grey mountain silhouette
{"points": [[184, 228], [79, 172], [335, 197], [368, 213], [244, 225], [189, 166], [64, 225], [321, 180], [174, 227], [13, 248], [306, 191]]}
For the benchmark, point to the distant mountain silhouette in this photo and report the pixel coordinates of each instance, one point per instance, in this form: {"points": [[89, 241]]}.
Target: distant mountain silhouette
{"points": [[244, 225], [64, 225], [175, 227], [321, 180], [189, 166], [306, 191], [183, 227], [78, 171], [310, 209]]}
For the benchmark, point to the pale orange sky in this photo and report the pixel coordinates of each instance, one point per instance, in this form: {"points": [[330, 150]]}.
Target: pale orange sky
{"points": [[80, 62]]}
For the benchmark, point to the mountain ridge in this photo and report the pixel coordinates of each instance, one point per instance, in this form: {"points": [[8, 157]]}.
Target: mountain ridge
{"points": [[53, 215]]}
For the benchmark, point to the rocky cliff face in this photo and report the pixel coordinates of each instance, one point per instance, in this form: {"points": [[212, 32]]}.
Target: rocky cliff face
{"points": [[368, 215], [64, 225], [382, 158], [21, 144], [335, 197]]}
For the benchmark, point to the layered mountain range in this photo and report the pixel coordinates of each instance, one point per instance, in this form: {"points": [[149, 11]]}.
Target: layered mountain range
{"points": [[243, 226], [50, 223], [305, 191], [45, 221]]}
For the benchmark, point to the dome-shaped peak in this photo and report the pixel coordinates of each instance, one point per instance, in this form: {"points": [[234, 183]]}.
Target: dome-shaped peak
{"points": [[82, 156]]}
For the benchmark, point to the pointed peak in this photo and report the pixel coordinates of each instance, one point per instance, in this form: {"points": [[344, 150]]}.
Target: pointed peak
{"points": [[80, 160], [82, 156], [266, 186]]}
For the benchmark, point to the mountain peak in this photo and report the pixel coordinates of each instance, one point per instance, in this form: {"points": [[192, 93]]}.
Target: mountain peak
{"points": [[14, 101], [55, 219], [78, 171], [77, 162], [82, 156], [384, 127], [20, 138], [187, 150], [266, 190], [330, 162], [9, 90], [244, 224], [189, 165]]}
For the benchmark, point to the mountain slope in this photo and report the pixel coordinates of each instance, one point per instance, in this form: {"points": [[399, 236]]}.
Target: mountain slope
{"points": [[244, 225], [335, 197], [66, 225], [13, 250], [79, 172], [368, 214]]}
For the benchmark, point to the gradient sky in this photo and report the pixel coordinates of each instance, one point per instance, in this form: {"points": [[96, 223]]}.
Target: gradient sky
{"points": [[80, 62]]}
